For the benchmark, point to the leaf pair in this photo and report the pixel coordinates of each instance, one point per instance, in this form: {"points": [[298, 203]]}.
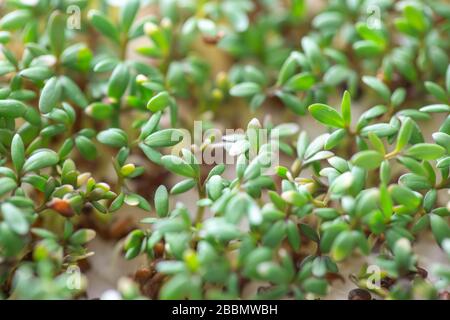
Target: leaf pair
{"points": [[329, 116]]}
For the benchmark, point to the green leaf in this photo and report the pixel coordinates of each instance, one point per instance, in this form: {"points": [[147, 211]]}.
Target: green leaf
{"points": [[421, 224], [404, 134], [104, 25], [12, 108], [295, 198], [36, 73], [430, 199], [443, 163], [442, 139], [309, 232], [378, 86], [440, 228], [66, 148], [436, 90], [302, 144], [414, 181], [370, 114], [415, 17], [17, 152], [134, 239], [316, 145], [326, 115], [183, 186], [361, 242], [300, 82], [292, 102], [377, 143], [43, 233], [164, 138], [5, 37], [385, 202], [398, 97], [150, 125], [312, 52], [40, 159], [245, 89], [321, 155], [380, 129], [50, 95], [100, 111], [293, 234], [435, 108], [176, 288], [6, 68], [337, 74], [10, 57], [152, 154], [287, 69], [15, 218], [368, 159], [405, 196], [339, 164], [128, 14], [346, 109], [215, 187], [316, 286], [256, 101], [273, 237], [207, 27], [342, 183], [162, 201], [413, 165], [57, 32], [113, 137], [403, 254], [117, 203], [447, 79], [342, 246], [330, 234], [105, 65], [367, 48], [118, 82], [319, 266], [82, 236], [159, 102], [335, 138], [273, 272], [217, 170], [284, 130], [6, 185], [426, 151], [128, 169], [86, 147], [326, 213], [15, 19], [178, 166], [133, 199], [72, 92], [368, 33], [77, 57]]}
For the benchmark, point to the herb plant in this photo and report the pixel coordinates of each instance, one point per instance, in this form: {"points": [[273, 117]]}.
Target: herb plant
{"points": [[98, 105]]}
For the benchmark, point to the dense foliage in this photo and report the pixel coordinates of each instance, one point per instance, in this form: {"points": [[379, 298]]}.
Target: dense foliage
{"points": [[88, 89]]}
